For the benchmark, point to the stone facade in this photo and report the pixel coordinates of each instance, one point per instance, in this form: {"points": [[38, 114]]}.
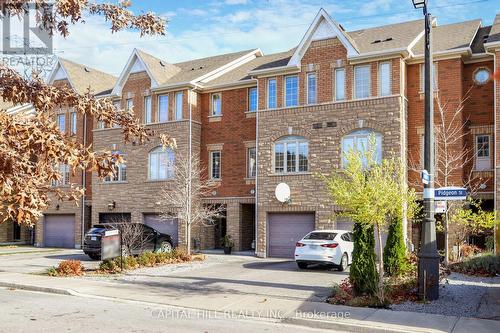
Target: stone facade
{"points": [[9, 236], [308, 193]]}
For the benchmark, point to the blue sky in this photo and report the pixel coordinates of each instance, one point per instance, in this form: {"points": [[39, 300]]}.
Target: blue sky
{"points": [[199, 28]]}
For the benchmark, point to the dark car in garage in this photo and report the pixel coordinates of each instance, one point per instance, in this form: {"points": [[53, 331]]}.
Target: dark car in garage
{"points": [[136, 239]]}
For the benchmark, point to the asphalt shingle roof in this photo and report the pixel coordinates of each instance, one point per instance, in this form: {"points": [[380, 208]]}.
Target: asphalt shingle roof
{"points": [[495, 30], [450, 37], [83, 77]]}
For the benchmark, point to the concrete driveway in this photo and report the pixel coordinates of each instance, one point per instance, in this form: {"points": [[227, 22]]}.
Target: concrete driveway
{"points": [[234, 276], [25, 259]]}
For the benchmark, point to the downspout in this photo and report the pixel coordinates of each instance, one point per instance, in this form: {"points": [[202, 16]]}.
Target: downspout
{"points": [[190, 158], [257, 171], [84, 180]]}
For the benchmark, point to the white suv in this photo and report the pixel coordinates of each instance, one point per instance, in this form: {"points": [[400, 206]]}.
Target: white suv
{"points": [[330, 247]]}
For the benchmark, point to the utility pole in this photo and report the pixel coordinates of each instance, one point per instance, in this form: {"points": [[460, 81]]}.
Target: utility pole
{"points": [[428, 263]]}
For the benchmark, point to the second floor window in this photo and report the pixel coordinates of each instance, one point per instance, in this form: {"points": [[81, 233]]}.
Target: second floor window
{"points": [[252, 99], [311, 88], [339, 84], [147, 110], [130, 104], [73, 123], [251, 162], [291, 90], [291, 155], [215, 164], [422, 76], [178, 105], [63, 170], [162, 108], [119, 174], [61, 122], [483, 156], [271, 93], [384, 77], [360, 141], [161, 164], [216, 104], [117, 105], [362, 84]]}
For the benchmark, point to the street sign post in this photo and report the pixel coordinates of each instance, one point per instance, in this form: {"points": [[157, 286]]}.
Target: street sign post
{"points": [[450, 193]]}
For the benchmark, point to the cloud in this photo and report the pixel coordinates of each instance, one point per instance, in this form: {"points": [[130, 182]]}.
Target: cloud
{"points": [[236, 2]]}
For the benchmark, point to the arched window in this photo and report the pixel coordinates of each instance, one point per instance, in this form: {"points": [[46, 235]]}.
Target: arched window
{"points": [[291, 154], [360, 141], [161, 163]]}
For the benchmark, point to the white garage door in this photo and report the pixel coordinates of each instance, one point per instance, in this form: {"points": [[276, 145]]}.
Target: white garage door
{"points": [[286, 229], [59, 231], [165, 226]]}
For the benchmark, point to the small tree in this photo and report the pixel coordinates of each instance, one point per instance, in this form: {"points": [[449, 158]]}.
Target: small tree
{"points": [[134, 237], [183, 196], [371, 193], [471, 220], [395, 260]]}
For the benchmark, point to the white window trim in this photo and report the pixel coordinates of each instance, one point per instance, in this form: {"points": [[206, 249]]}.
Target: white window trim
{"points": [[177, 94], [422, 76], [73, 123], [369, 81], [335, 97], [146, 110], [285, 94], [211, 153], [484, 159], [120, 179], [212, 104], [157, 151], [63, 116], [63, 182], [158, 108], [256, 96], [380, 78], [285, 142], [356, 135], [307, 88], [249, 176], [275, 93]]}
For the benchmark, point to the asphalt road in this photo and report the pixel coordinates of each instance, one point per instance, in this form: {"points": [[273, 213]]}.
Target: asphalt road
{"points": [[23, 311]]}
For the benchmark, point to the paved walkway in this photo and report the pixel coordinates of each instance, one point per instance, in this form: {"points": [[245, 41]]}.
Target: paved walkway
{"points": [[306, 313]]}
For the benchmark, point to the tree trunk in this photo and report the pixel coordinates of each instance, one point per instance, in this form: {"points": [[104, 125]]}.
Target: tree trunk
{"points": [[381, 266], [188, 238]]}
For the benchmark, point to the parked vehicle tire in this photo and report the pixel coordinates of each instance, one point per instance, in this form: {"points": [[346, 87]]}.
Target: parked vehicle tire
{"points": [[94, 256], [165, 247], [344, 262], [302, 265]]}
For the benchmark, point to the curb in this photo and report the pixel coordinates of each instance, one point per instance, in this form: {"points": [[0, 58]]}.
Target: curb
{"points": [[58, 291], [346, 326]]}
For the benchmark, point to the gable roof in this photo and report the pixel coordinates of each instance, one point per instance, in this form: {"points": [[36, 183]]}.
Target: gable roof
{"points": [[477, 45], [323, 27], [388, 37], [82, 77], [164, 74], [450, 37], [494, 35], [243, 72]]}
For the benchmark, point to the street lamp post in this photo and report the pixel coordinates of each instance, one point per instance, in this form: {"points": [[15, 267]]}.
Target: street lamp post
{"points": [[428, 263]]}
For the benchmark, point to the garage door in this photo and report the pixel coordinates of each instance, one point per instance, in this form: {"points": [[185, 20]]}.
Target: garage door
{"points": [[59, 231], [285, 230], [166, 226]]}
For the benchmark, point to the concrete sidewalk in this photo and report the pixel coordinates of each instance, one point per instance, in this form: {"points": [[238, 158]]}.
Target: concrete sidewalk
{"points": [[311, 314], [21, 249]]}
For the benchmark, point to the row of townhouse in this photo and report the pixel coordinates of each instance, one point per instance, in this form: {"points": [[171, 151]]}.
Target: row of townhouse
{"points": [[257, 120]]}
